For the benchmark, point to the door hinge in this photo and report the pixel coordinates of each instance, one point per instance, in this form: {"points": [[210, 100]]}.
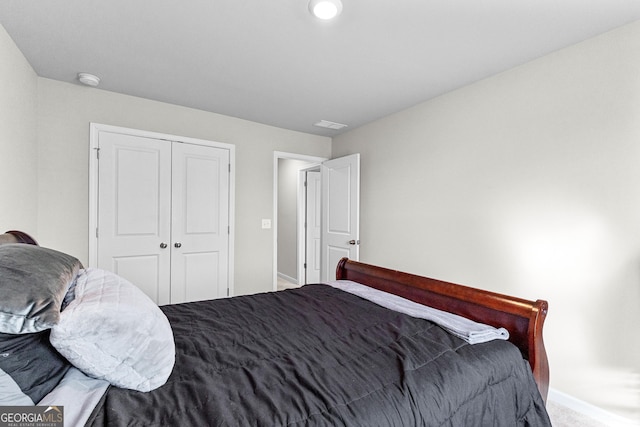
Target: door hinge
{"points": [[228, 229], [96, 232], [229, 167], [97, 152], [305, 265]]}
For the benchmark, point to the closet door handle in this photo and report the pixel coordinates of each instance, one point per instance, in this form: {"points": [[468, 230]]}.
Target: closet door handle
{"points": [[163, 245], [177, 245]]}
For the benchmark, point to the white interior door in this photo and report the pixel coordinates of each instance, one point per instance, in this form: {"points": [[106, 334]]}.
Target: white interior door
{"points": [[313, 230], [200, 223], [340, 212], [134, 211]]}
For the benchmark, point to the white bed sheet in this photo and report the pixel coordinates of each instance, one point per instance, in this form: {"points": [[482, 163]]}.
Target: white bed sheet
{"points": [[468, 330], [78, 394]]}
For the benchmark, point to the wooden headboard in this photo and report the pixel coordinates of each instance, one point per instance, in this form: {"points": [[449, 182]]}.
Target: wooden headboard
{"points": [[522, 318], [15, 236]]}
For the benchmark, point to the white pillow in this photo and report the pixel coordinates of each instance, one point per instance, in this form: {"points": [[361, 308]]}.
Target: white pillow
{"points": [[113, 331]]}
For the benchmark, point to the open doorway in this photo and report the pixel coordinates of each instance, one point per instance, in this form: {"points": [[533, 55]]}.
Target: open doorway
{"points": [[338, 209], [288, 217]]}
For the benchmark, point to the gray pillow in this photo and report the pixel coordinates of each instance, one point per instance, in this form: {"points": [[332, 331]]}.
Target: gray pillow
{"points": [[33, 283]]}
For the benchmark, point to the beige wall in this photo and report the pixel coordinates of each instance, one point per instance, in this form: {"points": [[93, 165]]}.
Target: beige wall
{"points": [[65, 111], [44, 155], [527, 183], [18, 139]]}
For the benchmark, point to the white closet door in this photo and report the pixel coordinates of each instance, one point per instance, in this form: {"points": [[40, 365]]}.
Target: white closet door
{"points": [[200, 222], [134, 211]]}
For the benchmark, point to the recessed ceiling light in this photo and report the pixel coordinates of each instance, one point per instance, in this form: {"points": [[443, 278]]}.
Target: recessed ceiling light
{"points": [[330, 125], [325, 9], [89, 79]]}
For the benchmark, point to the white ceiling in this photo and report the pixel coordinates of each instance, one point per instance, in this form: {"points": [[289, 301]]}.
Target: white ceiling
{"points": [[271, 62]]}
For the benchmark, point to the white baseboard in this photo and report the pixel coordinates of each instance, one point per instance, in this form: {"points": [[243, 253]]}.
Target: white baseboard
{"points": [[592, 411], [287, 278]]}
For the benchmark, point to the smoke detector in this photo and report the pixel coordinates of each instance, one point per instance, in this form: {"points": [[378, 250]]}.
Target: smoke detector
{"points": [[89, 79]]}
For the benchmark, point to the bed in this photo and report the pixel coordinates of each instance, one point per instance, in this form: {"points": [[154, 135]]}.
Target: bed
{"points": [[324, 354]]}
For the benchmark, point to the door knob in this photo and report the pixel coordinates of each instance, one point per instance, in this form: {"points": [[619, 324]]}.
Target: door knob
{"points": [[354, 242], [163, 245], [177, 245]]}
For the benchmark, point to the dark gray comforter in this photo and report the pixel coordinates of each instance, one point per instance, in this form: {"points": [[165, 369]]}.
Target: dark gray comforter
{"points": [[319, 356]]}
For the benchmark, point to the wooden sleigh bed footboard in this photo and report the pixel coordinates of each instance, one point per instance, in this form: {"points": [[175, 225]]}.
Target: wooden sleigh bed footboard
{"points": [[523, 319]]}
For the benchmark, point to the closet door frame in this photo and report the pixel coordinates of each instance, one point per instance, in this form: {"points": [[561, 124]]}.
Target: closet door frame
{"points": [[94, 133]]}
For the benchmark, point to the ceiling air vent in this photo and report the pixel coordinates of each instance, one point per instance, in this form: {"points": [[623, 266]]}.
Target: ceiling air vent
{"points": [[330, 125]]}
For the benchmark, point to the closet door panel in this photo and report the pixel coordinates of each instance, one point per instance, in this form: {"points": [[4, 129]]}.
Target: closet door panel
{"points": [[200, 221], [201, 195], [144, 272], [134, 207]]}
